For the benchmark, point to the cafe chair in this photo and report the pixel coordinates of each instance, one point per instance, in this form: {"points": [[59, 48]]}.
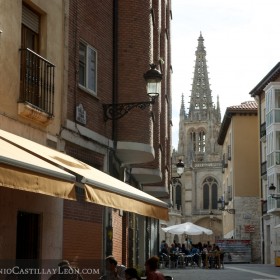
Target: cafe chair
{"points": [[164, 261], [181, 261]]}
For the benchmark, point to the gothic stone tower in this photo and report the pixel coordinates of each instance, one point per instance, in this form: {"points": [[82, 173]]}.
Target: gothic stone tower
{"points": [[198, 132]]}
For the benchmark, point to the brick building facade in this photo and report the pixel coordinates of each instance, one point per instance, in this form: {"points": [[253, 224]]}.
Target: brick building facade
{"points": [[94, 55], [125, 38]]}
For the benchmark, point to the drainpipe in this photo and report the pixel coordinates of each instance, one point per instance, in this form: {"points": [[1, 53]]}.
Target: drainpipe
{"points": [[107, 218], [115, 70], [262, 223]]}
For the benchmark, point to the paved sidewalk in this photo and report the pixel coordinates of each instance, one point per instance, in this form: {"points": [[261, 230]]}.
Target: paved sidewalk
{"points": [[230, 272]]}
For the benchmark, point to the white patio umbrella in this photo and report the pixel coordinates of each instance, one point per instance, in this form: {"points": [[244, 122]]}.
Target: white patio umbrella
{"points": [[187, 228]]}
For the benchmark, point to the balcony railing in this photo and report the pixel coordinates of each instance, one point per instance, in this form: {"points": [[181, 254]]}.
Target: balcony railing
{"points": [[37, 82], [214, 164]]}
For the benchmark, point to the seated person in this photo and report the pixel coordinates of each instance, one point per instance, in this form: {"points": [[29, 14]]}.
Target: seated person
{"points": [[195, 252], [203, 254], [164, 255], [165, 249], [114, 270], [185, 250], [173, 253], [131, 274], [172, 249], [66, 271], [152, 272]]}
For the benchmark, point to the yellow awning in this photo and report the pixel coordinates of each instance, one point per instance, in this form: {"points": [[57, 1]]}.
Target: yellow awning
{"points": [[114, 200], [100, 187], [23, 171]]}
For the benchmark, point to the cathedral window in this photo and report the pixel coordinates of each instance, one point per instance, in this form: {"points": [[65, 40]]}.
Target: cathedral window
{"points": [[210, 193], [178, 198], [205, 196], [201, 142], [193, 141]]}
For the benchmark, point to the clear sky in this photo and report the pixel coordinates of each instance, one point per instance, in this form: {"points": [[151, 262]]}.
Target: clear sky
{"points": [[242, 41]]}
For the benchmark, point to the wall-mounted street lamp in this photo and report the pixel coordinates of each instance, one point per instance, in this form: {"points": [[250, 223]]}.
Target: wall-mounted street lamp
{"points": [[272, 190], [222, 208], [180, 170], [153, 79]]}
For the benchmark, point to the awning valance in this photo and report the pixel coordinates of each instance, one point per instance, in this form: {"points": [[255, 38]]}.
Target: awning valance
{"points": [[100, 187], [130, 204], [23, 171]]}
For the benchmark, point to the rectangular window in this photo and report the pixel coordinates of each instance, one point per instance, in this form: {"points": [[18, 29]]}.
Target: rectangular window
{"points": [[87, 67], [277, 98], [277, 106], [269, 150], [30, 29], [269, 119], [269, 101]]}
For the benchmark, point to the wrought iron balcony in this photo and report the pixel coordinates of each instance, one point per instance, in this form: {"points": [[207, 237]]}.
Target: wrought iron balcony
{"points": [[36, 83]]}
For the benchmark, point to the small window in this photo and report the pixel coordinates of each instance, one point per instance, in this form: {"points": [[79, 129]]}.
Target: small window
{"points": [[30, 29], [87, 67]]}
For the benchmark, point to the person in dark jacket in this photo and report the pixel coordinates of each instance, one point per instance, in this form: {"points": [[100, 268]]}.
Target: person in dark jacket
{"points": [[66, 272]]}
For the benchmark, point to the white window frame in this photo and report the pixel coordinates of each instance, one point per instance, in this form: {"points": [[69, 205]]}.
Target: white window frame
{"points": [[86, 86]]}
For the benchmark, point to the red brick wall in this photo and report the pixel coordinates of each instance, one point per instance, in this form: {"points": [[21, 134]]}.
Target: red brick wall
{"points": [[92, 22], [90, 157], [83, 221], [159, 46], [118, 241], [135, 55], [83, 234], [140, 42]]}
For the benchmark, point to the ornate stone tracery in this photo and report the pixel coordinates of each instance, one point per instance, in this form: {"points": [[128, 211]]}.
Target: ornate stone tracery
{"points": [[198, 149]]}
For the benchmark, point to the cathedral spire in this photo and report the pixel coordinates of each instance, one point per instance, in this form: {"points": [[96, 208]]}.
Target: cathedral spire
{"points": [[200, 47], [182, 110], [218, 109], [201, 98]]}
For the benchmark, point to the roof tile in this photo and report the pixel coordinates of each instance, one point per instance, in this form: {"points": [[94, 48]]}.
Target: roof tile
{"points": [[245, 105]]}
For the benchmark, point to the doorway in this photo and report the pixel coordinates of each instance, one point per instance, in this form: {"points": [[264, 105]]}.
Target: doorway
{"points": [[28, 242]]}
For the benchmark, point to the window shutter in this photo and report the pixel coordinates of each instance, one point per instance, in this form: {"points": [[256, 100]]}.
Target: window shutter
{"points": [[30, 19]]}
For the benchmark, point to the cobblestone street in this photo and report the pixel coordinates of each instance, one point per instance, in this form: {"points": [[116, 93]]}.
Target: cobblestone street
{"points": [[230, 272]]}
